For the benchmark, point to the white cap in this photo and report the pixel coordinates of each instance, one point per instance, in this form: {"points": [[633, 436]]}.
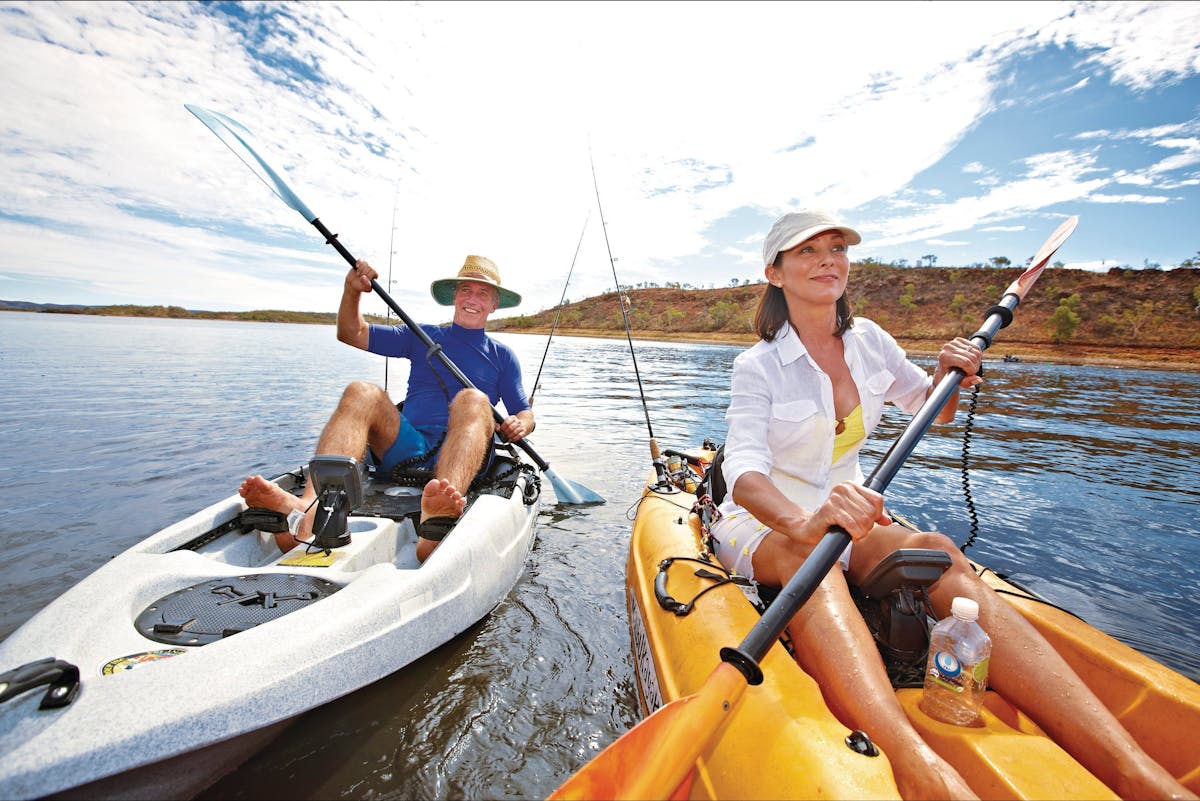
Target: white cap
{"points": [[798, 226], [964, 608]]}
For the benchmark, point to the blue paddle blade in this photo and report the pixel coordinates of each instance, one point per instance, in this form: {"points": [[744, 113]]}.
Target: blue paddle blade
{"points": [[239, 139], [570, 492]]}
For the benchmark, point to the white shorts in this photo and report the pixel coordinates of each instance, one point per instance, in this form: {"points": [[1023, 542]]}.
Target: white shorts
{"points": [[737, 536]]}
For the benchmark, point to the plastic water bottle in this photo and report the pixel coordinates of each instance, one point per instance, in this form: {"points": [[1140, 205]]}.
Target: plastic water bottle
{"points": [[956, 675]]}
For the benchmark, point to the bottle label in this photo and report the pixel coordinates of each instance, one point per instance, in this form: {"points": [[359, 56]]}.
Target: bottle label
{"points": [[947, 665], [946, 671]]}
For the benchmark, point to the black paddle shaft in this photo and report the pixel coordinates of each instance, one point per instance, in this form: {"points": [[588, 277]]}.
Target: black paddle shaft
{"points": [[804, 583], [424, 337]]}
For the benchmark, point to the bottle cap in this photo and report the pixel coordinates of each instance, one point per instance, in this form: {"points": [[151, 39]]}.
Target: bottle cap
{"points": [[964, 608]]}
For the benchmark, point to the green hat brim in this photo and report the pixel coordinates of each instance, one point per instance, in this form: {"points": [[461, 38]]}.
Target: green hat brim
{"points": [[443, 292]]}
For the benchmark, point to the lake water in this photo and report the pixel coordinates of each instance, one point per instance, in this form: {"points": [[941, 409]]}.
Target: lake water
{"points": [[1085, 481]]}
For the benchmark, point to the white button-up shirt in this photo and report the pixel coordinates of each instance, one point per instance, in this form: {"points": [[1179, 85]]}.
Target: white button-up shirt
{"points": [[781, 415]]}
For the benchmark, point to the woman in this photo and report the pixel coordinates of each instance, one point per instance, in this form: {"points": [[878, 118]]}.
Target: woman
{"points": [[803, 400]]}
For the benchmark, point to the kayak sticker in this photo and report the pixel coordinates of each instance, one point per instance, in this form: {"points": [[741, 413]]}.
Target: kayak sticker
{"points": [[315, 559], [124, 663], [643, 661]]}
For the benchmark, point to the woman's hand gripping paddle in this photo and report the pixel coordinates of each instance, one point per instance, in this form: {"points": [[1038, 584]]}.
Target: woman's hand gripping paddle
{"points": [[239, 139], [652, 759]]}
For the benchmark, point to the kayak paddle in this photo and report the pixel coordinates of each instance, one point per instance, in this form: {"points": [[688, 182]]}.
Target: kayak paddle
{"points": [[651, 760], [238, 139]]}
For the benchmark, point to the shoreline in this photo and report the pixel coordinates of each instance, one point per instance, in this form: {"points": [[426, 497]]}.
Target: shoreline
{"points": [[1185, 360]]}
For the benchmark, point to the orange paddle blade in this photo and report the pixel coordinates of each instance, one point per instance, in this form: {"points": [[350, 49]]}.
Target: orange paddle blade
{"points": [[1025, 281], [653, 758]]}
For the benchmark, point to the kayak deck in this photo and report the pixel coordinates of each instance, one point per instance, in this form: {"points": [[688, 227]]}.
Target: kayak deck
{"points": [[1007, 757], [166, 705]]}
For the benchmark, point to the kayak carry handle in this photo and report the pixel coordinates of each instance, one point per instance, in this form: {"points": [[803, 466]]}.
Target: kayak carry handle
{"points": [[665, 600], [62, 676]]}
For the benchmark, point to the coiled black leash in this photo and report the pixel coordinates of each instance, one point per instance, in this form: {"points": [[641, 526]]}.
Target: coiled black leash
{"points": [[966, 466]]}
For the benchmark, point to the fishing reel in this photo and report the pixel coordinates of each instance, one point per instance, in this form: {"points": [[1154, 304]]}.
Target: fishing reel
{"points": [[673, 473], [680, 473], [663, 479]]}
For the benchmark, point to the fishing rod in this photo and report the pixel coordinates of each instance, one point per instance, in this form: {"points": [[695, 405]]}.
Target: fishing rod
{"points": [[238, 138], [660, 466], [558, 312], [391, 253]]}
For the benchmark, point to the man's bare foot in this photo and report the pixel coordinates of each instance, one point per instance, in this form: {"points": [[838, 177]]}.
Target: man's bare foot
{"points": [[259, 492], [441, 499]]}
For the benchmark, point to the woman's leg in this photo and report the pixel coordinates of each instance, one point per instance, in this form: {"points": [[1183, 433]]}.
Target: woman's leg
{"points": [[834, 646], [1027, 671]]}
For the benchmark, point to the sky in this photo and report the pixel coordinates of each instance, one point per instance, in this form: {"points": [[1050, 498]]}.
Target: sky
{"points": [[656, 141]]}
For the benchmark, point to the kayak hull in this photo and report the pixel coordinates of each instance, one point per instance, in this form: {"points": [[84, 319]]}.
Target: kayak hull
{"points": [[784, 721], [163, 719]]}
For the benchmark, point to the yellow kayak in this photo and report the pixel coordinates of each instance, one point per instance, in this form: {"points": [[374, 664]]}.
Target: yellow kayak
{"points": [[802, 751]]}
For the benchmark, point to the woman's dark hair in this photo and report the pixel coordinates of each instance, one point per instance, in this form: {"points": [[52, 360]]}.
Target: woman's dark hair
{"points": [[772, 312]]}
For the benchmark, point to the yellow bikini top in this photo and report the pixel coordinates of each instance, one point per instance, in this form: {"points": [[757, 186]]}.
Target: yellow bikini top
{"points": [[853, 433]]}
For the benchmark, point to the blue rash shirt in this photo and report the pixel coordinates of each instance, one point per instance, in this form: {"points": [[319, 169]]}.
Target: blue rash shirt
{"points": [[490, 365]]}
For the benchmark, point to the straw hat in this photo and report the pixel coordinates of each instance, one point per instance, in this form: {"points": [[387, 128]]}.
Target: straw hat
{"points": [[475, 268]]}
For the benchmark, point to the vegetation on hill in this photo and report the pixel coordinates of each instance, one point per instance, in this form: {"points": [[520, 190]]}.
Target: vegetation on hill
{"points": [[1148, 317], [1147, 314], [180, 313]]}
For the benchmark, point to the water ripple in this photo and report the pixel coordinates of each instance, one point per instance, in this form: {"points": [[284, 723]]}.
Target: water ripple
{"points": [[1085, 482]]}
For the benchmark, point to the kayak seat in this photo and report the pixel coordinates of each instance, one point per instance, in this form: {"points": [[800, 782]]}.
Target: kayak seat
{"points": [[498, 478], [713, 482], [895, 605]]}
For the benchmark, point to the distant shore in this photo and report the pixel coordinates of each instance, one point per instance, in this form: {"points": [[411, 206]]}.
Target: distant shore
{"points": [[1152, 358], [1148, 358]]}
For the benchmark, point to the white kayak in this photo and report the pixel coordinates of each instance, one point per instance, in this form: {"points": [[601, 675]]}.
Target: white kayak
{"points": [[196, 646]]}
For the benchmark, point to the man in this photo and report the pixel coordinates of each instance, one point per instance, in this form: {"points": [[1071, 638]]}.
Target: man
{"points": [[444, 427]]}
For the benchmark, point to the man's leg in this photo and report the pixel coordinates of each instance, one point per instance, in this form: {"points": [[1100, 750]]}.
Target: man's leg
{"points": [[364, 416], [467, 438]]}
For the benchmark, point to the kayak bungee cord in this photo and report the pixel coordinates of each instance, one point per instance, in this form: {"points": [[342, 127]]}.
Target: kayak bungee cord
{"points": [[660, 466], [558, 311]]}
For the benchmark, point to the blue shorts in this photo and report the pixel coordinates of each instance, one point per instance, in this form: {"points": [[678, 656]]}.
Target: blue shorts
{"points": [[413, 442]]}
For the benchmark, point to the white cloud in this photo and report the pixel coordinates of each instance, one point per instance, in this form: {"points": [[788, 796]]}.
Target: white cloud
{"points": [[1144, 44], [471, 124], [1103, 198]]}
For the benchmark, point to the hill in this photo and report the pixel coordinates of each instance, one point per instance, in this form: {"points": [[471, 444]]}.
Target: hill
{"points": [[180, 313], [1148, 317], [1144, 318]]}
